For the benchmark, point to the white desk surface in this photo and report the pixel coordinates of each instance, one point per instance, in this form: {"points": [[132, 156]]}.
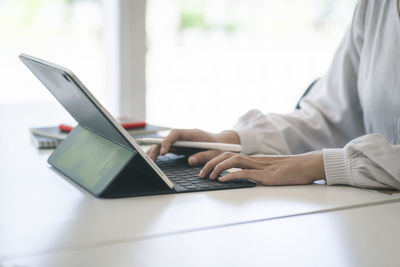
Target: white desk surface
{"points": [[348, 238], [41, 212]]}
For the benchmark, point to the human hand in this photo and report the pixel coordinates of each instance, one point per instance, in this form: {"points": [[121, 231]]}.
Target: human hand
{"points": [[268, 170], [198, 158]]}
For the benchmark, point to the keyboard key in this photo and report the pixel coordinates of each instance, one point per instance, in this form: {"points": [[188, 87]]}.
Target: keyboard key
{"points": [[185, 184]]}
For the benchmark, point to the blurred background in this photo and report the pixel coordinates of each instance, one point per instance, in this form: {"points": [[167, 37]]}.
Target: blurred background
{"points": [[203, 63]]}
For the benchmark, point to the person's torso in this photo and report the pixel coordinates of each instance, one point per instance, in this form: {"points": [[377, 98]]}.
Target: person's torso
{"points": [[379, 70]]}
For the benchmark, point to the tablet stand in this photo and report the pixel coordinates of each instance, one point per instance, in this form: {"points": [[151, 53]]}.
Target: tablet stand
{"points": [[105, 168]]}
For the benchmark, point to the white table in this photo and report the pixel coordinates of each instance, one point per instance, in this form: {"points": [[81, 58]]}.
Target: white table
{"points": [[365, 237], [42, 213]]}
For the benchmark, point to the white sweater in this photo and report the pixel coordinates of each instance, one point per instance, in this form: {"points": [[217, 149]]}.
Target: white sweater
{"points": [[352, 113]]}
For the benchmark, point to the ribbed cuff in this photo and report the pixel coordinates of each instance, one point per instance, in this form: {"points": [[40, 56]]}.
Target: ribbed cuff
{"points": [[248, 141], [337, 166]]}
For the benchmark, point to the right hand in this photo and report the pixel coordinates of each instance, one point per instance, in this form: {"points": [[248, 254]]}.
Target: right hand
{"points": [[198, 158]]}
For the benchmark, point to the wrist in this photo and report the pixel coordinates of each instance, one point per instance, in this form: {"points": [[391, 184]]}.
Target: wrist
{"points": [[315, 166], [230, 137]]}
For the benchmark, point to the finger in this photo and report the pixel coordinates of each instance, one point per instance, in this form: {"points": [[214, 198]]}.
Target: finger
{"points": [[212, 163], [154, 152], [201, 158], [148, 151], [171, 138], [243, 174], [184, 134], [236, 161]]}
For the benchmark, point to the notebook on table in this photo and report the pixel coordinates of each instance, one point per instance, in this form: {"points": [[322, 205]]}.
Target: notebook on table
{"points": [[51, 137], [101, 156]]}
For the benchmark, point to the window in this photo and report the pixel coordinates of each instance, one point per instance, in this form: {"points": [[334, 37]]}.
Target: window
{"points": [[67, 32], [209, 61]]}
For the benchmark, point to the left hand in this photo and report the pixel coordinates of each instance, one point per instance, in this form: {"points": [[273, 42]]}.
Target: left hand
{"points": [[268, 170]]}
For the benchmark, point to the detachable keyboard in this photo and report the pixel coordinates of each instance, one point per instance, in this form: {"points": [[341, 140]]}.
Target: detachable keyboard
{"points": [[186, 178]]}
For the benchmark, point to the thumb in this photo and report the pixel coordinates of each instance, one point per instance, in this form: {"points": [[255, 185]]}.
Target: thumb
{"points": [[203, 157]]}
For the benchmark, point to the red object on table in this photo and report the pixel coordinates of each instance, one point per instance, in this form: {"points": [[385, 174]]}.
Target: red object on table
{"points": [[134, 125], [129, 125], [65, 128]]}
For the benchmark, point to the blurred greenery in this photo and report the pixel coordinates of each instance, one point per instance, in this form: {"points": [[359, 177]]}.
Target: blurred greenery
{"points": [[193, 20], [196, 20], [28, 10], [195, 14]]}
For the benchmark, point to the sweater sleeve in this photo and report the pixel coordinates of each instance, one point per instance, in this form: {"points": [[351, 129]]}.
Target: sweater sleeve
{"points": [[330, 115], [368, 161]]}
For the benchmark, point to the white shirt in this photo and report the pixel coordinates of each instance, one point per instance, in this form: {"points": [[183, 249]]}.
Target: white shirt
{"points": [[352, 113]]}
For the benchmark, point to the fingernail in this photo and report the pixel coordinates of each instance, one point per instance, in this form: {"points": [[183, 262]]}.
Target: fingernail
{"points": [[212, 175], [201, 174], [221, 179], [193, 161]]}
